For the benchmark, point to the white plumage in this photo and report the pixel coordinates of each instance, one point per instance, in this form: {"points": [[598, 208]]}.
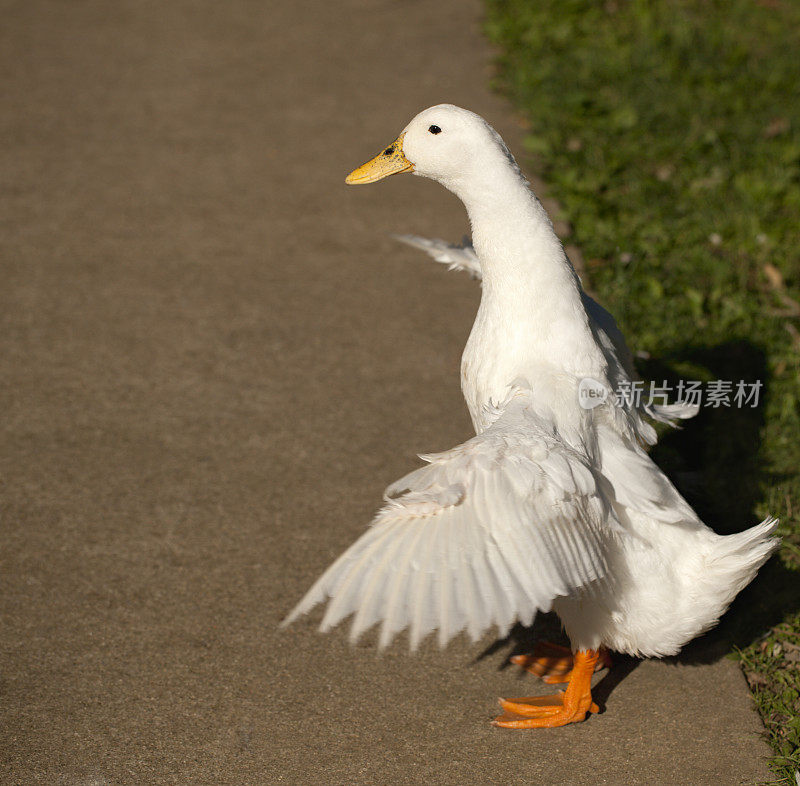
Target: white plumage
{"points": [[550, 505], [454, 545]]}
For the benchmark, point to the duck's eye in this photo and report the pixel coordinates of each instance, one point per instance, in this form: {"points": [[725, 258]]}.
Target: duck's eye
{"points": [[435, 130]]}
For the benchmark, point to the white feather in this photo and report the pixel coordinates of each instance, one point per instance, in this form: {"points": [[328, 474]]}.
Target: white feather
{"points": [[483, 532]]}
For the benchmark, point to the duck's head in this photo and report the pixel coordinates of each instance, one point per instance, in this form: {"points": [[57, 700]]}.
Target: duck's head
{"points": [[445, 143]]}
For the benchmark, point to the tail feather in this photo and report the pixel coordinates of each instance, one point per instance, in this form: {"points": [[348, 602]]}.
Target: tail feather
{"points": [[744, 553], [735, 559], [729, 563], [755, 535]]}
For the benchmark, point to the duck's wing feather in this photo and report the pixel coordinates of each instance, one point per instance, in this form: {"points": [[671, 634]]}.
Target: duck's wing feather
{"points": [[487, 533], [621, 371], [457, 256]]}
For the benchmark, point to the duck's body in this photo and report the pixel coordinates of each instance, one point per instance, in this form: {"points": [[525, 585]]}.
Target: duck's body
{"points": [[551, 504], [672, 577]]}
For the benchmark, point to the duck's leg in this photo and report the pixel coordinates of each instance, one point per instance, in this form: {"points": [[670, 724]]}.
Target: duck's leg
{"points": [[564, 707], [553, 663]]}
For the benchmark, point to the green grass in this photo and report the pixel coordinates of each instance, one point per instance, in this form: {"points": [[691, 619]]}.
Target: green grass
{"points": [[670, 134]]}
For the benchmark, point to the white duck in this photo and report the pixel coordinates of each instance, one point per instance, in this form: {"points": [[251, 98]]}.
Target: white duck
{"points": [[552, 505]]}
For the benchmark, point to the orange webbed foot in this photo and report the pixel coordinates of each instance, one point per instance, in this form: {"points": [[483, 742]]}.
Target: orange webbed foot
{"points": [[559, 709], [553, 663]]}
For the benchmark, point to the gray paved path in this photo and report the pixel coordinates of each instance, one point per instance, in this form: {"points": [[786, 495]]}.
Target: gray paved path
{"points": [[213, 360]]}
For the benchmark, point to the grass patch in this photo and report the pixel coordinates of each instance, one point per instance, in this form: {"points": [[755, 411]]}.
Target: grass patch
{"points": [[670, 133], [771, 668]]}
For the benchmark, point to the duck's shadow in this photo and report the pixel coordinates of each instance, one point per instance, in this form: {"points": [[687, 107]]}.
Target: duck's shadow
{"points": [[522, 639], [714, 461]]}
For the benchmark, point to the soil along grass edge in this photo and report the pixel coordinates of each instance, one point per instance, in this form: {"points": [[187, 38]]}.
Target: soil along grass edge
{"points": [[670, 134]]}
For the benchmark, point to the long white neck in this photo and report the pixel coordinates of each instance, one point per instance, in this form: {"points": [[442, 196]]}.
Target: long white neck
{"points": [[531, 322]]}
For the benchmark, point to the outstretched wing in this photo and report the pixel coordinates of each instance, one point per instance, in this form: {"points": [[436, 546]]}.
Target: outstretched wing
{"points": [[487, 533]]}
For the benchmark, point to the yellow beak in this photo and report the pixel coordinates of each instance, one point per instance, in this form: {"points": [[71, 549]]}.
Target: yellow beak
{"points": [[390, 162]]}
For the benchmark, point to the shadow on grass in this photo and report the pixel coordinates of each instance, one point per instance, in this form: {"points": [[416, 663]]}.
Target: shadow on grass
{"points": [[715, 462]]}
